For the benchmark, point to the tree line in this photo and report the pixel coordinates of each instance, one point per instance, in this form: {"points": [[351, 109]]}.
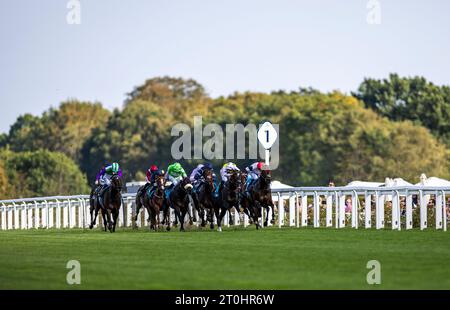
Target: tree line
{"points": [[396, 127]]}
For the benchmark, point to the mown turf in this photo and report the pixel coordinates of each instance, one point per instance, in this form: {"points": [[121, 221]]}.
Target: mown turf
{"points": [[234, 259]]}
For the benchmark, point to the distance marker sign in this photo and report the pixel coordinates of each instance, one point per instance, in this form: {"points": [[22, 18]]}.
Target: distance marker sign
{"points": [[267, 135]]}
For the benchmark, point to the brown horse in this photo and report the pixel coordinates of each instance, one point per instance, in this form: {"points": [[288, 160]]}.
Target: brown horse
{"points": [[154, 204], [261, 195], [109, 201], [179, 201], [228, 198], [203, 196]]}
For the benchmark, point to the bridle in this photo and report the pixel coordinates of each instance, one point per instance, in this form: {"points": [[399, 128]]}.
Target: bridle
{"points": [[160, 187]]}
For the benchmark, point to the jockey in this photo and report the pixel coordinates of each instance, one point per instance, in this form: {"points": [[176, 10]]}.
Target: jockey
{"points": [[109, 171], [226, 170], [150, 174], [197, 173], [150, 177], [253, 172], [100, 173], [175, 173], [152, 183]]}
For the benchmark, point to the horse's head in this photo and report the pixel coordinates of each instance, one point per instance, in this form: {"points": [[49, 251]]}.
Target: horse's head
{"points": [[266, 175], [208, 176], [116, 183], [160, 181], [186, 185], [234, 179], [243, 179]]}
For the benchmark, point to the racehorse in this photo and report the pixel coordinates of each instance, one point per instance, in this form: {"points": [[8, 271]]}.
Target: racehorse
{"points": [[95, 207], [204, 195], [261, 195], [179, 201], [110, 201], [154, 204], [228, 198], [140, 201], [249, 209]]}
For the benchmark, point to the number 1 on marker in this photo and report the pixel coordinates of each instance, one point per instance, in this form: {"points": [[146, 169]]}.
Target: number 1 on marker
{"points": [[267, 135]]}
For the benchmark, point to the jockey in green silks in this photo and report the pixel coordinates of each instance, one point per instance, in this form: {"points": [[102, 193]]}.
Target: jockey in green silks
{"points": [[175, 173]]}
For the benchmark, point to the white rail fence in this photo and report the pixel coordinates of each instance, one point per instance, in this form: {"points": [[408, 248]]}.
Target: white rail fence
{"points": [[395, 207]]}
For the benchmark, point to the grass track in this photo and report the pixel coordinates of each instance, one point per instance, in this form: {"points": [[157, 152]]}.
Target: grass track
{"points": [[234, 259]]}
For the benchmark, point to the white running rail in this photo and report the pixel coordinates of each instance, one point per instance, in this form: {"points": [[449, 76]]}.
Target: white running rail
{"points": [[295, 207]]}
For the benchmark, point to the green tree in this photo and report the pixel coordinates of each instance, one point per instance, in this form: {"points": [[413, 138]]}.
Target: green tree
{"points": [[136, 138], [4, 183], [415, 99], [42, 173], [64, 129]]}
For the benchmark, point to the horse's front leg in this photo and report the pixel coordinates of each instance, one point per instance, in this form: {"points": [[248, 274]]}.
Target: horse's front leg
{"points": [[93, 219], [258, 207], [182, 217], [138, 208], [266, 222], [220, 216], [115, 217], [167, 217], [272, 206], [178, 216], [201, 213], [109, 216]]}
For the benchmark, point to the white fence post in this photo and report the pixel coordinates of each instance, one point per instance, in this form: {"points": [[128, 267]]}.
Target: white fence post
{"points": [[280, 211], [438, 209], [342, 211], [292, 209], [297, 211], [379, 210], [45, 215], [395, 211], [65, 215], [304, 210], [444, 211], [10, 218], [129, 212], [58, 214], [316, 210], [368, 210], [4, 227], [355, 215], [409, 219], [329, 210], [336, 207], [423, 210]]}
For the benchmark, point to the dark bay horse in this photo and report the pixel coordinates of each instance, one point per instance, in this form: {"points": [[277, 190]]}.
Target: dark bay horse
{"points": [[249, 209], [94, 206], [261, 195], [179, 201], [228, 198], [109, 201], [203, 197], [140, 201], [154, 204]]}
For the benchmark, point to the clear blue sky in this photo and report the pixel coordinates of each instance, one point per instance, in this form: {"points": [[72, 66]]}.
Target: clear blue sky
{"points": [[225, 45]]}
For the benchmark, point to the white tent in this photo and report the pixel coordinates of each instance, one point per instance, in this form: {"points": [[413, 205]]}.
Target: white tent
{"points": [[274, 185], [396, 182], [432, 181], [278, 185], [364, 184]]}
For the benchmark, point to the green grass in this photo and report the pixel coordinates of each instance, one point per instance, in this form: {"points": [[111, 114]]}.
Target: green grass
{"points": [[234, 259]]}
